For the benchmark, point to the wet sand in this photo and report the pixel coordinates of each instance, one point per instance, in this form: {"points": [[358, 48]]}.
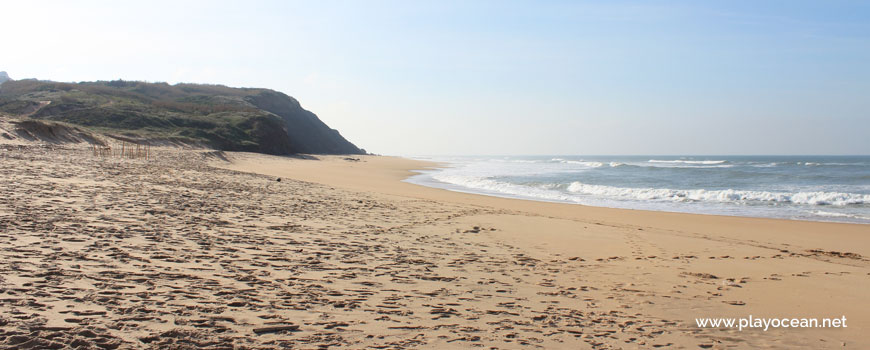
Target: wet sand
{"points": [[201, 249]]}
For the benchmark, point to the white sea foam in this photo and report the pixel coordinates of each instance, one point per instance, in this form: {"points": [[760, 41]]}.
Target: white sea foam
{"points": [[702, 162], [544, 191], [578, 162], [839, 215], [550, 192], [813, 198], [589, 164]]}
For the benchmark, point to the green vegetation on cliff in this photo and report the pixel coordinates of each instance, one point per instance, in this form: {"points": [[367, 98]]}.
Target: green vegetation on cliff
{"points": [[231, 119]]}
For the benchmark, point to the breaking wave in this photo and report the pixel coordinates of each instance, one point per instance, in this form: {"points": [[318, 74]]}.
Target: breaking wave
{"points": [[811, 198], [578, 162], [701, 162], [551, 192]]}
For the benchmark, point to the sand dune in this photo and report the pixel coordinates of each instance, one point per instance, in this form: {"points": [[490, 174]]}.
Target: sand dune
{"points": [[202, 250]]}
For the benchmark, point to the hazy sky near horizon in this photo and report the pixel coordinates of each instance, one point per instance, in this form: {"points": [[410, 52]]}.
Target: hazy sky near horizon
{"points": [[493, 77]]}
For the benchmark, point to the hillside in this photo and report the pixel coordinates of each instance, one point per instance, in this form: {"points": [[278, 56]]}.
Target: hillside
{"points": [[4, 77], [230, 119]]}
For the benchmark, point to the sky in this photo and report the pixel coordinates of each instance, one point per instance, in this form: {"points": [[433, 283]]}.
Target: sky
{"points": [[493, 77]]}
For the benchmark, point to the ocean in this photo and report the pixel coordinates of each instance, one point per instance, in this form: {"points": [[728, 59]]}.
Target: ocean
{"points": [[817, 188]]}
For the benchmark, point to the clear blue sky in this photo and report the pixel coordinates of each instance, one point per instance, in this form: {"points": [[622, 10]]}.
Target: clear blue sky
{"points": [[494, 77]]}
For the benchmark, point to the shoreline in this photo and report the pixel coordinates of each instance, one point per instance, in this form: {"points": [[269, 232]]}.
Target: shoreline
{"points": [[531, 199], [816, 213], [398, 169]]}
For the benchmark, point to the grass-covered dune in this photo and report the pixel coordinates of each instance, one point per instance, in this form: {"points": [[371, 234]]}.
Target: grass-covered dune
{"points": [[231, 119]]}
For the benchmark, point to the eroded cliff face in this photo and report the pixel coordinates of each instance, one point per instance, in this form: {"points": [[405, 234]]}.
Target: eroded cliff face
{"points": [[306, 132], [231, 119]]}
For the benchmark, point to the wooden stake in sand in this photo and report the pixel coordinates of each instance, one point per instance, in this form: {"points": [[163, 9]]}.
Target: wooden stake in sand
{"points": [[125, 151], [101, 150]]}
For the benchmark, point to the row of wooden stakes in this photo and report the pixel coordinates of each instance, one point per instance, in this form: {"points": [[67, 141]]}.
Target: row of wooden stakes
{"points": [[125, 150]]}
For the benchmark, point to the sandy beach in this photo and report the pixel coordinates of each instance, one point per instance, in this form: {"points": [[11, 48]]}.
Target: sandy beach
{"points": [[204, 249]]}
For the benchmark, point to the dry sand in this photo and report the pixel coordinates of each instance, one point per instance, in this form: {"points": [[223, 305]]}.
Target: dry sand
{"points": [[207, 250]]}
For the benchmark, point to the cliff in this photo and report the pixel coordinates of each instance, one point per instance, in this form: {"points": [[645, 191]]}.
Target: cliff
{"points": [[230, 119]]}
